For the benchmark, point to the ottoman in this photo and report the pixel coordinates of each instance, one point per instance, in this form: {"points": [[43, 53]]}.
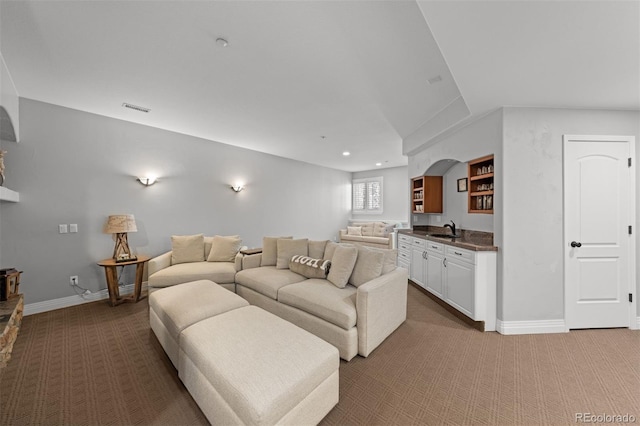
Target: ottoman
{"points": [[248, 366], [175, 308]]}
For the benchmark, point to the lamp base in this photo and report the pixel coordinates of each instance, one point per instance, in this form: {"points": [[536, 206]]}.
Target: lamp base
{"points": [[121, 252]]}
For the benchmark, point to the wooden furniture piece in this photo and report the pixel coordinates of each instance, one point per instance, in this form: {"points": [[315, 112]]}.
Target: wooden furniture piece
{"points": [[111, 273], [426, 192], [481, 191]]}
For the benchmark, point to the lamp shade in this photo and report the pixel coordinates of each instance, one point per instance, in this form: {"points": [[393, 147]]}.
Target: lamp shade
{"points": [[119, 223]]}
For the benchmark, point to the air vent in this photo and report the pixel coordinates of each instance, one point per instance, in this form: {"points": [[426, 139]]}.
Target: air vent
{"points": [[137, 108], [434, 80]]}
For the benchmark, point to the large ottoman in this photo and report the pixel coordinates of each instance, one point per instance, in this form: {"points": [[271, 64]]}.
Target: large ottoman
{"points": [[248, 366], [172, 309]]}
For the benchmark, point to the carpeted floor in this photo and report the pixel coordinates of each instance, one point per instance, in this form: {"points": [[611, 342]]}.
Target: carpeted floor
{"points": [[93, 364]]}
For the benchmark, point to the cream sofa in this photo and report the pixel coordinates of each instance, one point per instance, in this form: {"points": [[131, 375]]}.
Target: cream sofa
{"points": [[371, 234], [355, 318], [164, 273]]}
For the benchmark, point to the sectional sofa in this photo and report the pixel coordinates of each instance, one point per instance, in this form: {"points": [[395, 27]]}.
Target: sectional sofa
{"points": [[353, 297]]}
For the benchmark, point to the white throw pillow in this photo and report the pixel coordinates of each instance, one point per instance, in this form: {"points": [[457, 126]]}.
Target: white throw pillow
{"points": [[354, 230], [344, 258], [224, 249], [270, 250], [368, 266], [287, 248], [187, 248]]}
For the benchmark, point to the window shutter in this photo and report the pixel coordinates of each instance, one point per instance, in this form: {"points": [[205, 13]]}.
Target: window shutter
{"points": [[367, 195], [359, 196]]}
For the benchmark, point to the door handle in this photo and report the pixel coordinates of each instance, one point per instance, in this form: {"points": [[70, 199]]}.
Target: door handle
{"points": [[575, 244], [444, 262]]}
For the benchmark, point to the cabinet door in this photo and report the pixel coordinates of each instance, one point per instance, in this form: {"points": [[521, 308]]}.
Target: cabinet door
{"points": [[434, 273], [417, 266], [460, 286]]}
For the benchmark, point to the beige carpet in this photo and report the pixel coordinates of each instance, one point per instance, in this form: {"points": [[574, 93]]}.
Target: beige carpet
{"points": [[93, 364]]}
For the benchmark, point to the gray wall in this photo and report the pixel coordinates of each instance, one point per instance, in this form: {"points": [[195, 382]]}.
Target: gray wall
{"points": [[533, 271], [76, 167], [394, 197]]}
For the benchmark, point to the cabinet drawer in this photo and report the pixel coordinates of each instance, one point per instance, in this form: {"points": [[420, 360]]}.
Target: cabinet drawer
{"points": [[460, 254], [418, 242], [435, 246], [403, 238], [404, 256], [404, 245]]}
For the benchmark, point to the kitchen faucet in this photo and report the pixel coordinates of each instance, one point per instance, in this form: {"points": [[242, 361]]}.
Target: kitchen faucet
{"points": [[452, 227]]}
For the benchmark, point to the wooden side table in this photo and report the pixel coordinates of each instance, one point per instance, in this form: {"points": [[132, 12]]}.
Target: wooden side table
{"points": [[111, 273]]}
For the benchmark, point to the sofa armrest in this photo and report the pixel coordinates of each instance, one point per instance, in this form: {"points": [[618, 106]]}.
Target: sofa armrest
{"points": [[238, 261], [381, 305], [251, 261], [159, 262]]}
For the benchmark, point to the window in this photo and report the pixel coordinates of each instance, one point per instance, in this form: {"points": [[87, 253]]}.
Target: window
{"points": [[367, 195]]}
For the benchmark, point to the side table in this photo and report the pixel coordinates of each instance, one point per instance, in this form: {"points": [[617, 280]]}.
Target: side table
{"points": [[111, 273]]}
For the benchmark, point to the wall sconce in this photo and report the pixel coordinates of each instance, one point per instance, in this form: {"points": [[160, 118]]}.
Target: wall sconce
{"points": [[237, 187], [147, 180]]}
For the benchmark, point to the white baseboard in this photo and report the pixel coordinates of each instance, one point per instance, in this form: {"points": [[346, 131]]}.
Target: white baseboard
{"points": [[65, 302], [531, 327], [637, 323]]}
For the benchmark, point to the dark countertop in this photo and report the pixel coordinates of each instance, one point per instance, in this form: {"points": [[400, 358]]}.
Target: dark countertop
{"points": [[470, 240]]}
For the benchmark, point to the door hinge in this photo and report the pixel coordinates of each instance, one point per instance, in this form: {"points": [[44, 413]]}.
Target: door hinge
{"points": [[630, 297], [630, 229], [629, 161]]}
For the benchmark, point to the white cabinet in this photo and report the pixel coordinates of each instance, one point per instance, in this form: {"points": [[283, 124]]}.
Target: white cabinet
{"points": [[460, 284], [435, 268], [417, 271]]}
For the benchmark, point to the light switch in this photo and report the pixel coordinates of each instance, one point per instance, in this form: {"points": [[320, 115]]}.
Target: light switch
{"points": [[62, 229], [73, 227]]}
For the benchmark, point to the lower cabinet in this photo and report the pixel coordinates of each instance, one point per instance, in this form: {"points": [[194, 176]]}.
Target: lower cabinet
{"points": [[417, 272], [435, 268], [404, 252], [460, 279]]}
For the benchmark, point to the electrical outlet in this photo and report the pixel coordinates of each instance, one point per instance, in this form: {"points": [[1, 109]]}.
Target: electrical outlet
{"points": [[73, 280]]}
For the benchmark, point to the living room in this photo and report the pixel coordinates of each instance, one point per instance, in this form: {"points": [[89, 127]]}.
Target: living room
{"points": [[75, 164]]}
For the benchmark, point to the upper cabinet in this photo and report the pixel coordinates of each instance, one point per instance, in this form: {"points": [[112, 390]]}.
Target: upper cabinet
{"points": [[426, 192], [481, 189]]}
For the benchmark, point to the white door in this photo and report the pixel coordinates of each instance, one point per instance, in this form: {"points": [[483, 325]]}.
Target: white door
{"points": [[435, 264], [417, 266], [598, 209]]}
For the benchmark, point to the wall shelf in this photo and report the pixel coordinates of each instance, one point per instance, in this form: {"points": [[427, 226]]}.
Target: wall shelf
{"points": [[8, 195], [481, 190]]}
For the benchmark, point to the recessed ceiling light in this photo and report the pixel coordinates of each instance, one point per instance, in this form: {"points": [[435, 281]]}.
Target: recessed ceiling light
{"points": [[222, 42], [378, 164], [346, 153]]}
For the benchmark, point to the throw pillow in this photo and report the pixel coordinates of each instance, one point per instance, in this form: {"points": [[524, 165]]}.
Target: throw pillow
{"points": [[344, 258], [224, 249], [309, 267], [368, 266], [354, 230], [187, 248], [389, 261], [270, 250], [287, 248], [316, 248], [330, 249]]}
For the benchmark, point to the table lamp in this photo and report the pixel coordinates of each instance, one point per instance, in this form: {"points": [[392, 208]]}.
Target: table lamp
{"points": [[120, 224]]}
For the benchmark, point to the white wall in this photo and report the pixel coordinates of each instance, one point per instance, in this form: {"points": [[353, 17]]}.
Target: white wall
{"points": [[9, 97], [394, 197], [533, 284], [76, 167]]}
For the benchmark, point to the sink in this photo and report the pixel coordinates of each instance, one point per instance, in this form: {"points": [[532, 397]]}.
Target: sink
{"points": [[443, 236]]}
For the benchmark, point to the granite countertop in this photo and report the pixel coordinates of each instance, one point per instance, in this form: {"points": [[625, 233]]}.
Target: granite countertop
{"points": [[470, 240]]}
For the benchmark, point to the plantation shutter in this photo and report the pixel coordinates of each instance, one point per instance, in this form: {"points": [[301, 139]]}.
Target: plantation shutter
{"points": [[367, 195]]}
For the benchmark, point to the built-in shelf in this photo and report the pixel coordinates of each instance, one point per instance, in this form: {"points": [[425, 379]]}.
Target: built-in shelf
{"points": [[8, 195], [481, 189]]}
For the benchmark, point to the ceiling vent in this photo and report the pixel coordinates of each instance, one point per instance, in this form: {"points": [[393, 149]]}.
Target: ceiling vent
{"points": [[436, 79], [137, 108]]}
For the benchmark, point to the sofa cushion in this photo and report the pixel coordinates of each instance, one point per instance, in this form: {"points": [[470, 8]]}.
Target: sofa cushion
{"points": [[219, 272], [267, 280], [187, 248], [270, 250], [342, 262], [354, 230], [287, 248], [321, 298], [368, 266], [381, 229], [309, 267], [316, 248], [390, 258], [367, 228], [224, 249], [363, 239], [331, 249]]}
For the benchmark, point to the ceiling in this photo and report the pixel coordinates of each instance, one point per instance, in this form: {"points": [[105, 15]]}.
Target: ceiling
{"points": [[308, 80]]}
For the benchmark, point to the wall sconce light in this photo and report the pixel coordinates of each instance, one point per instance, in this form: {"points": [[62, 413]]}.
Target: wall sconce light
{"points": [[147, 180], [237, 187]]}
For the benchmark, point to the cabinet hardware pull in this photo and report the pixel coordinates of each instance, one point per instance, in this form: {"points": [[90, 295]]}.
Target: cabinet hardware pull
{"points": [[435, 247], [459, 254], [444, 262]]}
